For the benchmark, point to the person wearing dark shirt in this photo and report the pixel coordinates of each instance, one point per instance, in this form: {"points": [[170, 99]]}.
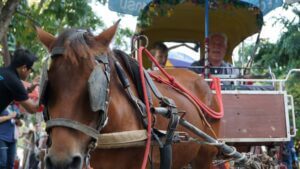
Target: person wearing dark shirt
{"points": [[217, 47], [12, 89], [289, 156]]}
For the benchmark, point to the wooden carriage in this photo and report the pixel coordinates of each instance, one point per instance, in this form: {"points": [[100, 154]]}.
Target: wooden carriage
{"points": [[257, 116], [254, 114]]}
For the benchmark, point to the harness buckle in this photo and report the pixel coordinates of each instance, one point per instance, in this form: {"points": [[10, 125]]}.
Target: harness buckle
{"points": [[87, 161], [91, 147]]}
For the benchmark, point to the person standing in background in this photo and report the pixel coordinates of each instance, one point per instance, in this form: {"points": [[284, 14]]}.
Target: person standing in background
{"points": [[11, 90]]}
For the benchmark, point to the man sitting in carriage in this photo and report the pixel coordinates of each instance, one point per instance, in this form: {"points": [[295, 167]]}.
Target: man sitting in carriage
{"points": [[217, 49]]}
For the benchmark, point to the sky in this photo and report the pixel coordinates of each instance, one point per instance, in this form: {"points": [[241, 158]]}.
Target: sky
{"points": [[109, 17], [269, 30]]}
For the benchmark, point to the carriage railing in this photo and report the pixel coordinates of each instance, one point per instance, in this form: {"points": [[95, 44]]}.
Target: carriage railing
{"points": [[279, 84], [291, 109], [239, 79], [261, 90], [278, 89]]}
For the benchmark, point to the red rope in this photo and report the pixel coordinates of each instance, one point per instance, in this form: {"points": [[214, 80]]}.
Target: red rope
{"points": [[148, 144], [210, 112], [171, 81]]}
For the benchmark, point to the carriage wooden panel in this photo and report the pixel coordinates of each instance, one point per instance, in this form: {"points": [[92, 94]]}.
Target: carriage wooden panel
{"points": [[253, 117]]}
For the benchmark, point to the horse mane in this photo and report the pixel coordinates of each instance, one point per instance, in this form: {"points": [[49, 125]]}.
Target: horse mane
{"points": [[81, 44], [78, 44], [132, 67]]}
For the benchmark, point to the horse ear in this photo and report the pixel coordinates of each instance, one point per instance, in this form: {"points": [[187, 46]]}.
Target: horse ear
{"points": [[46, 38], [106, 36]]}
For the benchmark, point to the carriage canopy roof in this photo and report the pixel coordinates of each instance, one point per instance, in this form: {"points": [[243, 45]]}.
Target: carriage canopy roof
{"points": [[184, 22]]}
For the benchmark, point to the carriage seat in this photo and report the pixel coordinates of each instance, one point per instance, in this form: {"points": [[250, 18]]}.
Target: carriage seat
{"points": [[248, 87], [230, 85]]}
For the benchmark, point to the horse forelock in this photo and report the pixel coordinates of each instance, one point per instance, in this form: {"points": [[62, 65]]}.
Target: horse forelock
{"points": [[78, 44]]}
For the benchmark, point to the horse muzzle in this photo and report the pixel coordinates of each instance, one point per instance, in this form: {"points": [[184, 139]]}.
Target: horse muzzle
{"points": [[72, 162]]}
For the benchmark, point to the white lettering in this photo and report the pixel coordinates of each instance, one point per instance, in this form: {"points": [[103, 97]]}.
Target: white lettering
{"points": [[263, 6], [131, 5], [140, 5], [123, 4]]}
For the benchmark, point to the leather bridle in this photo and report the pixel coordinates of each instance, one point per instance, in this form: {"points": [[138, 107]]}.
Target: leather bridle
{"points": [[98, 102]]}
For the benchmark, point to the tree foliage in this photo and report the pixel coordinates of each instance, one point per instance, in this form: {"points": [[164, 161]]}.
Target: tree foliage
{"points": [[285, 54], [54, 16], [7, 10]]}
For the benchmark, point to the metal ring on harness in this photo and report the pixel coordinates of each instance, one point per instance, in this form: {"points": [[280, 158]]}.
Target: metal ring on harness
{"points": [[139, 37], [233, 152], [241, 158]]}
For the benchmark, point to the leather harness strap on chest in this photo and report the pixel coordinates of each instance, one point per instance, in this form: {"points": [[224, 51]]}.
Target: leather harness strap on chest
{"points": [[166, 147]]}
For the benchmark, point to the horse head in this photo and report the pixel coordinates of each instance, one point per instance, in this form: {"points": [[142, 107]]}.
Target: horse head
{"points": [[72, 123]]}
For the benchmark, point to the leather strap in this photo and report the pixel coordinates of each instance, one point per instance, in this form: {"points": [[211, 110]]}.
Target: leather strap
{"points": [[152, 86], [62, 122], [57, 51]]}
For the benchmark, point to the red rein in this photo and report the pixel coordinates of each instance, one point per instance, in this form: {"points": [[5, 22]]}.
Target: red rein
{"points": [[172, 82], [148, 144]]}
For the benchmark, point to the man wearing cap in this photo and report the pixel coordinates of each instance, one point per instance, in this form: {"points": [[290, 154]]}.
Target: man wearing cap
{"points": [[12, 89]]}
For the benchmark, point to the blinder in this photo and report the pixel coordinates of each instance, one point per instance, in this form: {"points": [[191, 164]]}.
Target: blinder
{"points": [[44, 77], [43, 83], [98, 86]]}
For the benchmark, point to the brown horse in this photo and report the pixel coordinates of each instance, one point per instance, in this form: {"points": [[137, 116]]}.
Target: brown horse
{"points": [[69, 99]]}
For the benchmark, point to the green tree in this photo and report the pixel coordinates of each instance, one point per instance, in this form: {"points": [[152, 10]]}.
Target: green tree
{"points": [[7, 10], [285, 54], [54, 16]]}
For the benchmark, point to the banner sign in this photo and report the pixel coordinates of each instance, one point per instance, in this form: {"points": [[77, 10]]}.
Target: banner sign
{"points": [[131, 7], [265, 5]]}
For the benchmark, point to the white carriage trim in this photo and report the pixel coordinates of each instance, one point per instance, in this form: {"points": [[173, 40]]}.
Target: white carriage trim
{"points": [[256, 140], [292, 111]]}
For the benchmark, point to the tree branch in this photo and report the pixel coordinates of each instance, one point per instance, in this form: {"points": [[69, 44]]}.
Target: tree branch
{"points": [[1, 6], [40, 5], [6, 15], [6, 55], [28, 17]]}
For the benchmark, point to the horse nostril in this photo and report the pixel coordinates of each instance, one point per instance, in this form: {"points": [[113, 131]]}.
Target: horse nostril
{"points": [[71, 162], [76, 162]]}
